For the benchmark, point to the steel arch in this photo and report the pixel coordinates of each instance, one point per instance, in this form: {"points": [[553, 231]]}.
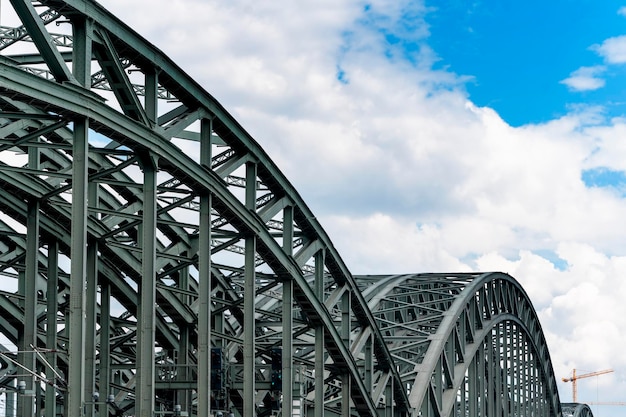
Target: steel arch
{"points": [[576, 410], [157, 261], [148, 218], [465, 343]]}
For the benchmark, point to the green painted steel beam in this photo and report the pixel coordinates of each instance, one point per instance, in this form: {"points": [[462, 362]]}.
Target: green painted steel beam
{"points": [[35, 28]]}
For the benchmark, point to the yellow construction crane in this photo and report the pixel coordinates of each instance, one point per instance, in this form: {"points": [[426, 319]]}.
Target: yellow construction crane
{"points": [[575, 377]]}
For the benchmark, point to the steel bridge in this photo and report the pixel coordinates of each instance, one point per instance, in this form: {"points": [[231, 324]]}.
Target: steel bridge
{"points": [[155, 261]]}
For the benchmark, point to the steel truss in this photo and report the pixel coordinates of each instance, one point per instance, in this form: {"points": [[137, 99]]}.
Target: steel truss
{"points": [[156, 261], [465, 344], [576, 410]]}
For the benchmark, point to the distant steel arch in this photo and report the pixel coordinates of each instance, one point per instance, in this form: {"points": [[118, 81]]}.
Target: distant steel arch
{"points": [[465, 343], [576, 410], [157, 261]]}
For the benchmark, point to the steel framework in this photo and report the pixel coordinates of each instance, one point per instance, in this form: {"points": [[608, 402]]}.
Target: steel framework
{"points": [[155, 261], [576, 410]]}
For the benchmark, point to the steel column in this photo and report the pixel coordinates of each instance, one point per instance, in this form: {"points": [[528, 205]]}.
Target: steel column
{"points": [[506, 348], [491, 368], [183, 372], [91, 291], [482, 386], [472, 387], [52, 306], [104, 380], [82, 52], [152, 89], [26, 402], [346, 379], [368, 363], [287, 319], [320, 356], [518, 377], [78, 272], [145, 389], [527, 379], [90, 328], [9, 410], [76, 352], [204, 283], [249, 296], [389, 399]]}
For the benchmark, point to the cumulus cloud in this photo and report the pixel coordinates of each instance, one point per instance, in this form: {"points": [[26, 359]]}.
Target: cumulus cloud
{"points": [[403, 170], [613, 50], [585, 79]]}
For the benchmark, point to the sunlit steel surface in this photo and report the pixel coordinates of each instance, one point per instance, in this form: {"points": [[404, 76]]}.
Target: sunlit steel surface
{"points": [[155, 261], [576, 410]]}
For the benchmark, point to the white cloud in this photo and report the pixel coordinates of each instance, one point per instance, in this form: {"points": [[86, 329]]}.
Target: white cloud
{"points": [[613, 50], [585, 79], [622, 11], [405, 173]]}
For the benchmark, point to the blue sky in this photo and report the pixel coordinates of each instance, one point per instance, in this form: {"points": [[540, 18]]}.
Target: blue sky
{"points": [[433, 136], [518, 53]]}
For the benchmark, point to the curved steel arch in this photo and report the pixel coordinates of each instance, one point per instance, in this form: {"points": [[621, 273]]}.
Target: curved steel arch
{"points": [[576, 410], [154, 254], [465, 343], [179, 246]]}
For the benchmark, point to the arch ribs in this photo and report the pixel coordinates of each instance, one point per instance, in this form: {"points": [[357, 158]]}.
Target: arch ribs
{"points": [[157, 261], [465, 343], [109, 126]]}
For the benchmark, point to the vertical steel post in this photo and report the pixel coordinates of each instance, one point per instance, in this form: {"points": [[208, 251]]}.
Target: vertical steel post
{"points": [[105, 345], [151, 94], [526, 381], [346, 378], [146, 328], [146, 371], [499, 391], [9, 410], [91, 308], [320, 356], [287, 319], [78, 271], [204, 284], [52, 306], [389, 398], [81, 63], [90, 321], [29, 403], [82, 52], [481, 371], [148, 279], [26, 403], [249, 300], [519, 383], [490, 370], [506, 346], [536, 387], [183, 373], [472, 382], [369, 363]]}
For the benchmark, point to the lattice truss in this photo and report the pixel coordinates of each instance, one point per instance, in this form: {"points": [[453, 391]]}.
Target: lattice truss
{"points": [[153, 259], [576, 410], [465, 344], [143, 227]]}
